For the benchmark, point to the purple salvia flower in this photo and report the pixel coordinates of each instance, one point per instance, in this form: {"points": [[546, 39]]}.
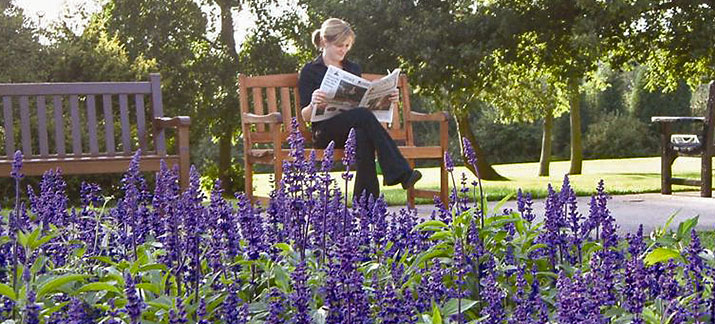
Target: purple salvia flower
{"points": [[389, 306], [350, 149], [537, 305], [201, 312], [522, 312], [178, 316], [134, 305], [301, 294], [235, 311], [32, 310], [523, 203], [695, 268], [16, 170], [448, 163], [297, 143], [327, 164], [636, 246], [636, 285], [251, 225], [493, 297], [469, 152], [276, 306], [76, 313]]}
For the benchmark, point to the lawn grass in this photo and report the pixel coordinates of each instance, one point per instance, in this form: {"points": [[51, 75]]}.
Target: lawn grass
{"points": [[621, 176]]}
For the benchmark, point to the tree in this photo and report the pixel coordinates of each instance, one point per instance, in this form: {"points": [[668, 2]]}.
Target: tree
{"points": [[21, 53], [674, 39]]}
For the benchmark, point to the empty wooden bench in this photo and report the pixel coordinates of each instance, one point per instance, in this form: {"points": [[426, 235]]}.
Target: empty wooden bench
{"points": [[89, 127], [698, 144], [269, 102]]}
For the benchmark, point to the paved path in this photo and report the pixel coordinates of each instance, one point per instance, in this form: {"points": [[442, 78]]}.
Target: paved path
{"points": [[651, 209]]}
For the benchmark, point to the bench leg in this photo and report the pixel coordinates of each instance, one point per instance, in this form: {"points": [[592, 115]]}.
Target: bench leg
{"points": [[248, 181], [411, 191], [706, 176], [184, 161], [666, 160]]}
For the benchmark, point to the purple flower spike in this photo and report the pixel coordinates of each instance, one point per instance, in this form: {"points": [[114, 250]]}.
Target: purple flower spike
{"points": [[16, 171], [350, 147], [328, 157], [32, 310], [134, 304], [448, 163], [301, 296], [469, 152]]}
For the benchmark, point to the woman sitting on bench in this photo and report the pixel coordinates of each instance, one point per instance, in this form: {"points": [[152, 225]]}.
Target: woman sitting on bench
{"points": [[334, 39]]}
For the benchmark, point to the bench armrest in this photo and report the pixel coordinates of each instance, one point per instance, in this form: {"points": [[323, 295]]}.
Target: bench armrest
{"points": [[172, 122], [418, 117], [272, 118], [673, 119]]}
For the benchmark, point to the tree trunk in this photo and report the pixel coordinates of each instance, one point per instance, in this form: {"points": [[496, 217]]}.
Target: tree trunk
{"points": [[229, 47], [576, 149], [545, 158], [486, 172]]}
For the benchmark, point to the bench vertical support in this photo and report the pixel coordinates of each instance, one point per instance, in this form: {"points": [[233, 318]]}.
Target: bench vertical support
{"points": [[443, 176], [666, 160], [183, 152]]}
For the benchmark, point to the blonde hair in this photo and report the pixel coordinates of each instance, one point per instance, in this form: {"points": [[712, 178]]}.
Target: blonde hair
{"points": [[333, 30]]}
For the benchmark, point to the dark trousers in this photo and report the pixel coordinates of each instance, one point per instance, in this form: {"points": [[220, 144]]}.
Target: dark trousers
{"points": [[370, 137]]}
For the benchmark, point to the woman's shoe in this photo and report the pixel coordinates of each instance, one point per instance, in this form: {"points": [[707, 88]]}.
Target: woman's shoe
{"points": [[412, 179]]}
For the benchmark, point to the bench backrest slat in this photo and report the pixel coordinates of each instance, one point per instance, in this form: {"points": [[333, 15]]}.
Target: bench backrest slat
{"points": [[141, 123], [108, 125], [9, 132], [42, 126], [158, 110], [92, 125], [124, 120], [76, 130], [59, 127], [25, 125], [258, 106]]}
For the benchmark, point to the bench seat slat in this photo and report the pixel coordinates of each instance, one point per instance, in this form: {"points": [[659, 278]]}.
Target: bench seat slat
{"points": [[88, 164], [92, 125], [42, 125], [9, 134], [108, 124], [59, 126]]}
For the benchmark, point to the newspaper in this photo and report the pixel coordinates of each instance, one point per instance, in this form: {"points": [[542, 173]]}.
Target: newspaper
{"points": [[345, 91]]}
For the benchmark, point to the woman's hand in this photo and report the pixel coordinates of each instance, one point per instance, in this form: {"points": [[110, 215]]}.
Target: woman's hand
{"points": [[318, 99], [394, 96]]}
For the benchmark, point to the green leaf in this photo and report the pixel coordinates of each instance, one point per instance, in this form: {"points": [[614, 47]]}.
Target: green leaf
{"points": [[533, 247], [152, 266], [451, 307], [159, 305], [284, 247], [686, 226], [661, 255], [439, 236], [7, 291], [22, 238], [150, 287], [98, 286], [55, 283], [34, 244], [436, 316], [104, 259], [430, 225]]}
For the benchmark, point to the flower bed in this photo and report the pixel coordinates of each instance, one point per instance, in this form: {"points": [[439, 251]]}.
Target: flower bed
{"points": [[165, 257]]}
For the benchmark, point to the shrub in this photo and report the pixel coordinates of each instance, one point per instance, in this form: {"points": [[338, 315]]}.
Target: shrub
{"points": [[165, 257], [616, 136]]}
